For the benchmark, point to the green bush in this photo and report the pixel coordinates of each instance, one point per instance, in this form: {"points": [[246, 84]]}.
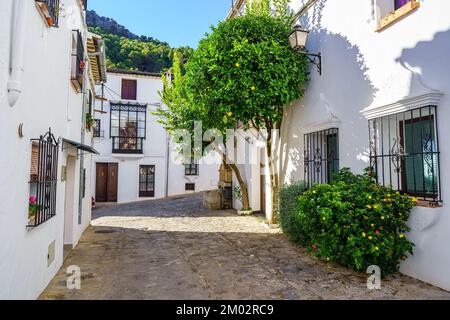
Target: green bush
{"points": [[288, 201], [356, 222]]}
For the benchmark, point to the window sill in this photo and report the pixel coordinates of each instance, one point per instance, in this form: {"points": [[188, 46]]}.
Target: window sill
{"points": [[397, 15], [429, 204]]}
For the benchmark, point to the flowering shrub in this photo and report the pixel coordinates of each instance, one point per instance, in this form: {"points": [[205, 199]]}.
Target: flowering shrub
{"points": [[287, 210], [356, 222]]}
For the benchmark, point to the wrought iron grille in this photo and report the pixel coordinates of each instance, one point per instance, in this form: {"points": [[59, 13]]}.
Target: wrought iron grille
{"points": [[190, 187], [321, 156], [50, 10], [97, 128], [128, 145], [147, 181], [78, 63], [43, 182], [404, 153], [191, 169]]}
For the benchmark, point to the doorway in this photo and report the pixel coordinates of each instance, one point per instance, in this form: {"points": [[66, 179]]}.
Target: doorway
{"points": [[106, 182], [69, 205]]}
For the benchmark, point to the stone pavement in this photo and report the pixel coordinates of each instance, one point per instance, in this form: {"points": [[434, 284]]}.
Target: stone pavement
{"points": [[173, 249]]}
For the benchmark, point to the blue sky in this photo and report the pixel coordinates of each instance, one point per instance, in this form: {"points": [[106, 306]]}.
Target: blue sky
{"points": [[178, 22]]}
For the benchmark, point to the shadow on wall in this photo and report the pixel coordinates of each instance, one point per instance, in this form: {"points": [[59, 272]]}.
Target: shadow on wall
{"points": [[338, 95], [429, 63]]}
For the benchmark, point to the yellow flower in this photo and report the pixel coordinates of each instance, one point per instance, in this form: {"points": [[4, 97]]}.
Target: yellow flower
{"points": [[382, 217], [376, 207], [238, 65], [370, 238], [369, 207], [364, 234], [230, 114], [377, 249], [372, 225], [324, 219], [402, 236], [253, 88], [414, 199]]}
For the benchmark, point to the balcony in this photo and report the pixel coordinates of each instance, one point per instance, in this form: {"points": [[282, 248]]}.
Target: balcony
{"points": [[49, 10], [78, 63], [127, 145]]}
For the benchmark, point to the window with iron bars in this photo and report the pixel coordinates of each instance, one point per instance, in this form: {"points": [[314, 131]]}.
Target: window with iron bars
{"points": [[43, 180], [404, 153], [97, 129], [191, 169], [321, 156]]}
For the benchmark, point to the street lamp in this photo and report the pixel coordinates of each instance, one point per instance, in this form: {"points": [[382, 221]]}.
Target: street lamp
{"points": [[298, 38]]}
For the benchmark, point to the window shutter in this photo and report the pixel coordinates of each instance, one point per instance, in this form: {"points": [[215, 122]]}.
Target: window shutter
{"points": [[129, 89]]}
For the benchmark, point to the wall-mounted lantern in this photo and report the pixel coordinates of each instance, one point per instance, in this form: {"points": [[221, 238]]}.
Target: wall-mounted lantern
{"points": [[298, 38]]}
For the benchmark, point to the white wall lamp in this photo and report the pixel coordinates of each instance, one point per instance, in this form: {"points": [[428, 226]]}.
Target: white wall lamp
{"points": [[298, 38]]}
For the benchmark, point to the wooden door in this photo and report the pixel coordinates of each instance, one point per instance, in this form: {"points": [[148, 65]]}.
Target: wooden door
{"points": [[101, 182], [263, 194], [106, 182], [113, 171]]}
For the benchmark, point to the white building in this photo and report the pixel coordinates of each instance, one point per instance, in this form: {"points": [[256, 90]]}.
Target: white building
{"points": [[137, 160], [45, 178], [382, 101]]}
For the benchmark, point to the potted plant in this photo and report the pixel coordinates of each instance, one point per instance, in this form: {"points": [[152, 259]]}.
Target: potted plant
{"points": [[33, 207], [90, 121]]}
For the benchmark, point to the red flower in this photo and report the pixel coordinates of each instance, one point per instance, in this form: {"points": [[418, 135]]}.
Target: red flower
{"points": [[377, 232]]}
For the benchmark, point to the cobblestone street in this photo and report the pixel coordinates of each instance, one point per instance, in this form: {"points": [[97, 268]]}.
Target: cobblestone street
{"points": [[171, 249]]}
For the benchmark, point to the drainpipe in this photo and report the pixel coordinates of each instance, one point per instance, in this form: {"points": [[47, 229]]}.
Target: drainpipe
{"points": [[167, 164], [17, 44]]}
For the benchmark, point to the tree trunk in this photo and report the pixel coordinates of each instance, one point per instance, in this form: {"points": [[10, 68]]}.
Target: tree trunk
{"points": [[243, 186], [274, 177]]}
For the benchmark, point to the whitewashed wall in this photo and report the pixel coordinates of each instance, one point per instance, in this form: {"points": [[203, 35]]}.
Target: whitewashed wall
{"points": [[155, 147], [47, 100], [367, 69]]}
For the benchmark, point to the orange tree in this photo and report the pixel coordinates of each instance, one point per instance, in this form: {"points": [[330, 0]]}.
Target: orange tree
{"points": [[245, 71]]}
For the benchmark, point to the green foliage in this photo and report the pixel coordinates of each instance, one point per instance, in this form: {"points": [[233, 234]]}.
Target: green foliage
{"points": [[246, 68], [287, 211], [143, 54], [356, 222]]}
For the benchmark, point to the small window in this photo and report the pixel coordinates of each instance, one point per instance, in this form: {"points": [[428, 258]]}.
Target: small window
{"points": [[146, 181], [191, 169], [43, 180], [98, 128], [190, 187], [405, 154], [400, 3], [129, 89], [49, 10], [321, 156]]}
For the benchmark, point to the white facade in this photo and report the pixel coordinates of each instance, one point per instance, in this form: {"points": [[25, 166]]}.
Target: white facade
{"points": [[370, 72], [157, 149], [41, 96]]}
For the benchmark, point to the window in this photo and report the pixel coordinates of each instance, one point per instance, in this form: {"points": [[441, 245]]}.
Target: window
{"points": [[321, 156], [190, 187], [392, 11], [43, 180], [146, 181], [191, 169], [97, 128], [404, 153], [129, 89], [400, 3], [128, 127], [49, 10], [78, 62]]}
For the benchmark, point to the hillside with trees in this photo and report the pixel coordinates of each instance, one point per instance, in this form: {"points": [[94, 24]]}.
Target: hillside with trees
{"points": [[125, 50]]}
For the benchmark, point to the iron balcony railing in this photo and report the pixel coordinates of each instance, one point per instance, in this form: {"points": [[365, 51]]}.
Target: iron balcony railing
{"points": [[127, 145], [50, 11]]}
